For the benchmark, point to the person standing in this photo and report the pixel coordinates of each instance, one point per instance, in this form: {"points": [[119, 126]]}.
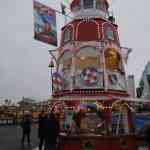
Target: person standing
{"points": [[52, 132], [147, 135], [41, 129], [26, 129]]}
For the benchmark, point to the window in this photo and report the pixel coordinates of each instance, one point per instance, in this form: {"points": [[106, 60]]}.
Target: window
{"points": [[67, 35], [109, 33], [97, 4], [88, 4]]}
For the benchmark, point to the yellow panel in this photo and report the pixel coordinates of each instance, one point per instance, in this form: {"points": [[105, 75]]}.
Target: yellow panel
{"points": [[82, 63], [112, 59]]}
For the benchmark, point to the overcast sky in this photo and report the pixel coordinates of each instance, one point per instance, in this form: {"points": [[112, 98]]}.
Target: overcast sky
{"points": [[24, 61]]}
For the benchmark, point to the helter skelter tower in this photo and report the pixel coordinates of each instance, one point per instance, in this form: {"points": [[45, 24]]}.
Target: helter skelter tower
{"points": [[89, 63], [90, 69]]}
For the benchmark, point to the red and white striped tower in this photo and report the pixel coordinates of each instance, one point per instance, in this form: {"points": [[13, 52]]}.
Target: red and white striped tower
{"points": [[90, 64]]}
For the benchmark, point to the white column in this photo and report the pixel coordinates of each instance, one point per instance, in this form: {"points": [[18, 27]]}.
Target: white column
{"points": [[103, 47]]}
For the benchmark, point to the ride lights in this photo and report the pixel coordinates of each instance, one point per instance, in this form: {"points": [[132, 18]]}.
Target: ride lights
{"points": [[107, 108]]}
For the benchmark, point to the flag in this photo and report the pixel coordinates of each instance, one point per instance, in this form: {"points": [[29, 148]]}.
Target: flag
{"points": [[45, 24], [125, 53], [63, 7], [139, 91]]}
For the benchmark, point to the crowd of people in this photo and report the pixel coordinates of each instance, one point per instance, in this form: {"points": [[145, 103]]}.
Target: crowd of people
{"points": [[48, 130]]}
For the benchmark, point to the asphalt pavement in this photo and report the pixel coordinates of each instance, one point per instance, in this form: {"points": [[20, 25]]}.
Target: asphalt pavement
{"points": [[10, 138], [143, 148]]}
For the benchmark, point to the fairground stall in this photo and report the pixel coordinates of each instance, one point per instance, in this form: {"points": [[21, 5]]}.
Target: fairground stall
{"points": [[89, 87]]}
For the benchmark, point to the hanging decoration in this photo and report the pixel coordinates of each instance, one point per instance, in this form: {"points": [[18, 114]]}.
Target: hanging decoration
{"points": [[90, 76], [45, 24], [58, 84]]}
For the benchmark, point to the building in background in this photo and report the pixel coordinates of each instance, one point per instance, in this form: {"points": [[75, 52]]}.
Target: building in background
{"points": [[143, 91]]}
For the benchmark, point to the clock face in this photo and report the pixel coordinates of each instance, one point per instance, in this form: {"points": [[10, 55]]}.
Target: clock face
{"points": [[116, 82]]}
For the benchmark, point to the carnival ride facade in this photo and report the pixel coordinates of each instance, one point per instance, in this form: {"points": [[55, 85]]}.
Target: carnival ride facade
{"points": [[89, 85]]}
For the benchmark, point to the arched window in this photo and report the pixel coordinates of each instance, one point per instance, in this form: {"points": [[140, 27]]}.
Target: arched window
{"points": [[112, 59], [67, 35], [88, 31], [88, 4], [109, 33]]}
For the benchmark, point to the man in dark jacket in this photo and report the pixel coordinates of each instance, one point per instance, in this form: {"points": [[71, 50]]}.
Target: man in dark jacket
{"points": [[26, 129], [52, 131], [41, 129], [147, 135]]}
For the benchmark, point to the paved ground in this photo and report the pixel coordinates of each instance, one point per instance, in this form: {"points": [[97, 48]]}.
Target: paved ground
{"points": [[10, 137], [143, 148]]}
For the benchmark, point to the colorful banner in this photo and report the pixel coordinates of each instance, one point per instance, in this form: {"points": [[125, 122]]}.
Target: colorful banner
{"points": [[45, 24]]}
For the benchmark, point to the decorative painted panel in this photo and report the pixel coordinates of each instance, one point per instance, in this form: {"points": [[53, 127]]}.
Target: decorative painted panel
{"points": [[89, 78], [58, 82], [112, 59], [116, 81]]}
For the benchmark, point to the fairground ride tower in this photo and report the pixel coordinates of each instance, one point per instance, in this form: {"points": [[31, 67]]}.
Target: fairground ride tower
{"points": [[90, 61], [89, 64]]}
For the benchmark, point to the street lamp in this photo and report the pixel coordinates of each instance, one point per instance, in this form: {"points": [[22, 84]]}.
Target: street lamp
{"points": [[51, 66]]}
